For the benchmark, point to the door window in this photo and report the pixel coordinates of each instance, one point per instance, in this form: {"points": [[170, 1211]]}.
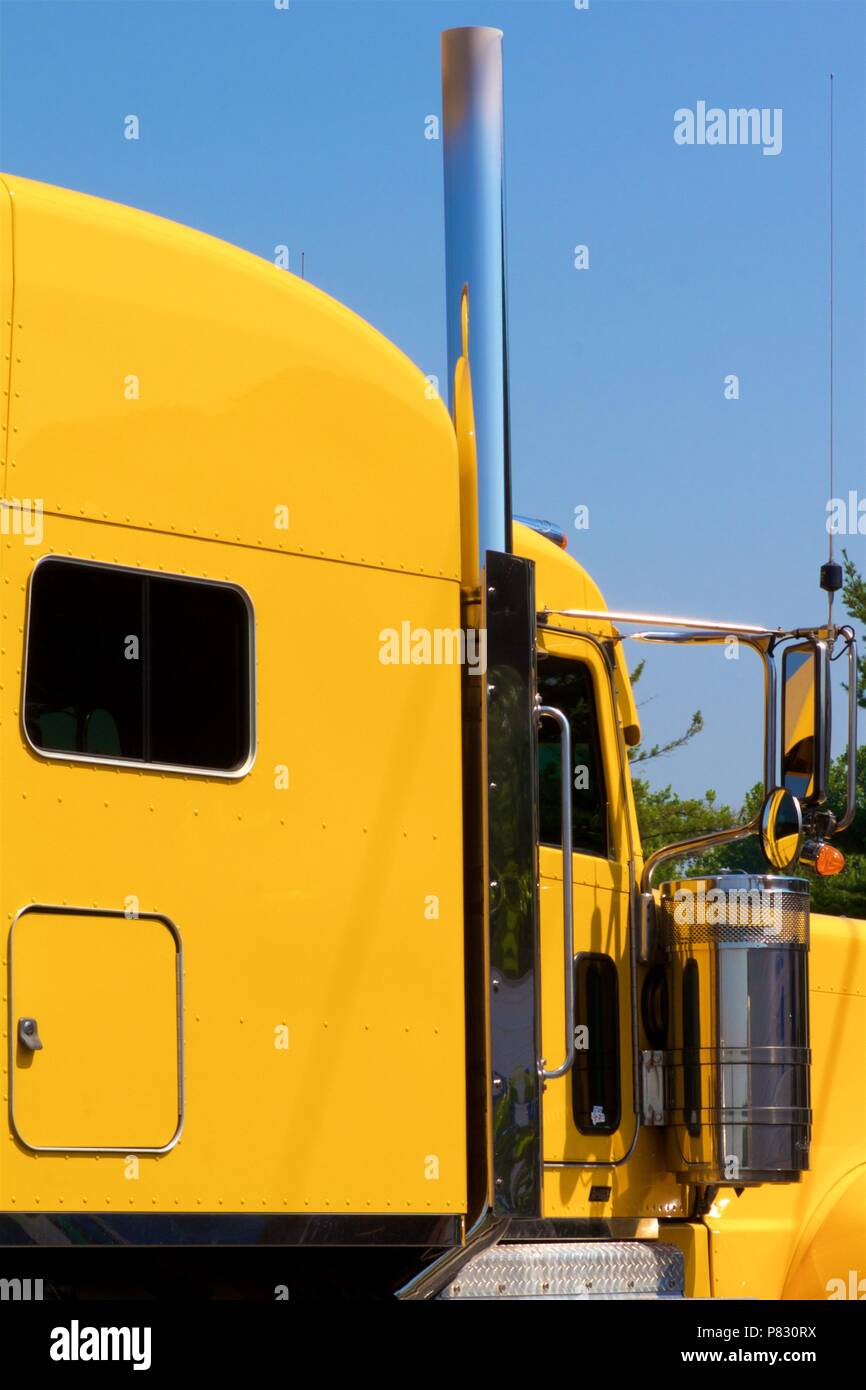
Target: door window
{"points": [[568, 686]]}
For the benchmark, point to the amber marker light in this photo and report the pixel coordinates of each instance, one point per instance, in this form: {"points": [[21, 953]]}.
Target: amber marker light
{"points": [[829, 861]]}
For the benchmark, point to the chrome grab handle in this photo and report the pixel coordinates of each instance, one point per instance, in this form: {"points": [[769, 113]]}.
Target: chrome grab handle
{"points": [[550, 712]]}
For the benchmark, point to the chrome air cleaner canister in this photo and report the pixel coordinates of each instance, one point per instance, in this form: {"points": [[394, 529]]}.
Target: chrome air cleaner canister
{"points": [[738, 1066]]}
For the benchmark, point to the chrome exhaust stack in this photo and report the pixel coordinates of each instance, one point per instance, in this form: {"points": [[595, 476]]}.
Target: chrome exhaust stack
{"points": [[473, 152], [500, 722]]}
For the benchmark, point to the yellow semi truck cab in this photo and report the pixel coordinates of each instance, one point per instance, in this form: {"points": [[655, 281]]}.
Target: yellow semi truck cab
{"points": [[325, 915]]}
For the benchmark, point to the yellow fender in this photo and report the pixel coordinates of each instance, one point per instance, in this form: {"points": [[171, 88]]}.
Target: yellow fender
{"points": [[831, 1244]]}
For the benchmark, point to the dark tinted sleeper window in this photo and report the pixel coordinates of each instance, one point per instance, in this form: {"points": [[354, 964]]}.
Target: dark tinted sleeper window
{"points": [[137, 667], [568, 686]]}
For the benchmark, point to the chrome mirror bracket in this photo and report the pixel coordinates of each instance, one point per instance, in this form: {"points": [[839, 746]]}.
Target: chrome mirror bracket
{"points": [[646, 927]]}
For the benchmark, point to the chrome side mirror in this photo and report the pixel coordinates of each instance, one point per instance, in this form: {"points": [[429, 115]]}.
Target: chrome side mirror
{"points": [[781, 829], [806, 721]]}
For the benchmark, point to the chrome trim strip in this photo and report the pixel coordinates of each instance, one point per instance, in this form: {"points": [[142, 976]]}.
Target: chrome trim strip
{"points": [[138, 765], [700, 624], [54, 910], [488, 1230]]}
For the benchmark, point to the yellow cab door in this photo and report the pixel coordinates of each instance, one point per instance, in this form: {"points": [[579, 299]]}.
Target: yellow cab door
{"points": [[588, 1113]]}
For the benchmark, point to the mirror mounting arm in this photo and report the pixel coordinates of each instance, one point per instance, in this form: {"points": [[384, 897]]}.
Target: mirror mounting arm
{"points": [[688, 849]]}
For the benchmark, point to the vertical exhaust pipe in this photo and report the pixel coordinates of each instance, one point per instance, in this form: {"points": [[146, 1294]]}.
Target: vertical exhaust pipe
{"points": [[473, 148], [499, 716]]}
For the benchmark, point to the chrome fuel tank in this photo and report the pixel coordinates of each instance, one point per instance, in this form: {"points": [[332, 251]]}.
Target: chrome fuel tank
{"points": [[737, 1070]]}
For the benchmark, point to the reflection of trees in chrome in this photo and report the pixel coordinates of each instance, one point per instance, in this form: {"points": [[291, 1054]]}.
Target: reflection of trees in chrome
{"points": [[515, 1137], [512, 823], [512, 832]]}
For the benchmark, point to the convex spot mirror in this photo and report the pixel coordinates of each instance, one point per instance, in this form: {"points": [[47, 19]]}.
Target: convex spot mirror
{"points": [[806, 721], [781, 829]]}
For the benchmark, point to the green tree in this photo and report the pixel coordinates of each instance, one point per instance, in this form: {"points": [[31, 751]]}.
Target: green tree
{"points": [[664, 817]]}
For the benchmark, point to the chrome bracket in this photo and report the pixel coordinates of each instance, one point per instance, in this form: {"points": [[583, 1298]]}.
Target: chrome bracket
{"points": [[652, 1088], [646, 927]]}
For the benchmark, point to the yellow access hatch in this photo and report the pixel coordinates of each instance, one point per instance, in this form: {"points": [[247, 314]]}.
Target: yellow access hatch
{"points": [[95, 1030]]}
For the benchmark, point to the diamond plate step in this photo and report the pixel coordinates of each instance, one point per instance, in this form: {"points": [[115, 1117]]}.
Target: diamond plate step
{"points": [[573, 1270]]}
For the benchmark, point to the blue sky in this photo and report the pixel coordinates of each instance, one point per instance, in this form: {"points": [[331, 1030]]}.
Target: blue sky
{"points": [[306, 127]]}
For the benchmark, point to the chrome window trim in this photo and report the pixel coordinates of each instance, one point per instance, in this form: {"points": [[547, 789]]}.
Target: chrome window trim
{"points": [[55, 910], [139, 764]]}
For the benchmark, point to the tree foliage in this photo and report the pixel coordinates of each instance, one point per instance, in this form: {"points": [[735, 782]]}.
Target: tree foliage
{"points": [[663, 816]]}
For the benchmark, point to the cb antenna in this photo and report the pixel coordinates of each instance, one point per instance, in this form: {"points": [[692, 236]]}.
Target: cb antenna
{"points": [[831, 572]]}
